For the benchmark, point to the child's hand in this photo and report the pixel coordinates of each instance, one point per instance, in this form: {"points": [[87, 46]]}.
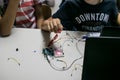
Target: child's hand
{"points": [[52, 25]]}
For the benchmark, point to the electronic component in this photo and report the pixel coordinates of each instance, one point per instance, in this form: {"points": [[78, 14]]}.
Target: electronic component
{"points": [[48, 51], [58, 53], [53, 52]]}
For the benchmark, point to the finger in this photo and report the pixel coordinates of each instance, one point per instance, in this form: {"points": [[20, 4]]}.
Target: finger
{"points": [[47, 25], [55, 25], [51, 26], [59, 25]]}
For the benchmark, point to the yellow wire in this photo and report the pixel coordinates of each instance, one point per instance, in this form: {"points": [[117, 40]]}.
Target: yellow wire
{"points": [[14, 60]]}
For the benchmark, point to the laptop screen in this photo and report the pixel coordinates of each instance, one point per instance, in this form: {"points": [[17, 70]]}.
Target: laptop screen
{"points": [[101, 59]]}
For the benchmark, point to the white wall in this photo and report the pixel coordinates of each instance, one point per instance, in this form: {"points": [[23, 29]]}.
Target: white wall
{"points": [[55, 8]]}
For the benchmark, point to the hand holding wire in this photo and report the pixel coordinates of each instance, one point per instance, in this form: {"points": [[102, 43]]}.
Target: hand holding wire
{"points": [[52, 25]]}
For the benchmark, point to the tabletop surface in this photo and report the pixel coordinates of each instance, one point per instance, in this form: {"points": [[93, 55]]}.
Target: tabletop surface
{"points": [[21, 55]]}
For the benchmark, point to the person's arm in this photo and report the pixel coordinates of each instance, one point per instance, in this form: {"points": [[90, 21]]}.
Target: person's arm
{"points": [[66, 13], [42, 12], [44, 19], [118, 19], [7, 21]]}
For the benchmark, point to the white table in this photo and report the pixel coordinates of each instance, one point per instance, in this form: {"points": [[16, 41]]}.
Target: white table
{"points": [[21, 56]]}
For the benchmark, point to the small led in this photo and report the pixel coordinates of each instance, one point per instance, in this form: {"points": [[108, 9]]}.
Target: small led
{"points": [[58, 53]]}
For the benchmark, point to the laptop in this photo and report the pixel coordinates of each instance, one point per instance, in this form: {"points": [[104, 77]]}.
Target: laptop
{"points": [[101, 59], [111, 31]]}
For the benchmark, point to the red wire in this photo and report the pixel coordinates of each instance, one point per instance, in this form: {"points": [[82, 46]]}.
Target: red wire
{"points": [[54, 38]]}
